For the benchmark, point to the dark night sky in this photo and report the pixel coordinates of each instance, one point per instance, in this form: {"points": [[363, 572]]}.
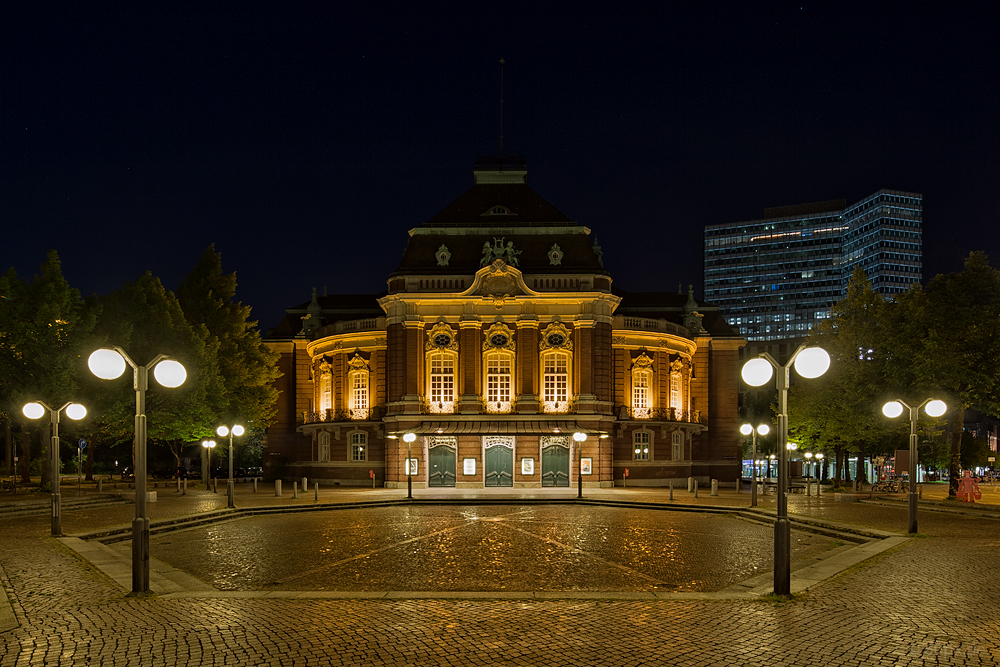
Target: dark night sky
{"points": [[305, 142]]}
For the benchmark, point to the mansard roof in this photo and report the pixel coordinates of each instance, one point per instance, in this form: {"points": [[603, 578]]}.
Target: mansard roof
{"points": [[477, 207]]}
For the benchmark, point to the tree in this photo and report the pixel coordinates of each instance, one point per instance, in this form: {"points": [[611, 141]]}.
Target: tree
{"points": [[247, 367], [840, 410], [954, 329], [43, 326], [145, 320]]}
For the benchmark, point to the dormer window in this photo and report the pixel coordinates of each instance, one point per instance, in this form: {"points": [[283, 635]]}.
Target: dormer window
{"points": [[499, 210]]}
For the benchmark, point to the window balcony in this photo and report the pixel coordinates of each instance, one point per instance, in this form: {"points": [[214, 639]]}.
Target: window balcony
{"points": [[498, 407], [558, 407], [626, 413], [437, 407]]}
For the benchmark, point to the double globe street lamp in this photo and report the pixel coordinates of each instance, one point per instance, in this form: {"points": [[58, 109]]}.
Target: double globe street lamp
{"points": [[208, 446], [809, 362], [109, 364], [222, 432], [748, 429], [892, 409], [74, 411]]}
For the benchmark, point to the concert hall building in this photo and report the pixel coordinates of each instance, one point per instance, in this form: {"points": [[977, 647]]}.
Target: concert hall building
{"points": [[501, 345]]}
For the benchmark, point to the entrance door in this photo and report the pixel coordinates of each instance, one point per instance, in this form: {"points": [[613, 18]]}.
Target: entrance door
{"points": [[441, 462], [499, 464], [555, 465]]}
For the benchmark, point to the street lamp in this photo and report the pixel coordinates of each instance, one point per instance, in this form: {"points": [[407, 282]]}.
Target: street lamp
{"points": [[809, 362], [74, 411], [819, 470], [223, 431], [408, 438], [209, 445], [579, 437], [108, 364], [893, 409], [747, 429]]}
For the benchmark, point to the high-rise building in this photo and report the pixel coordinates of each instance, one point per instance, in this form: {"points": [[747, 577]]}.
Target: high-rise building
{"points": [[776, 277]]}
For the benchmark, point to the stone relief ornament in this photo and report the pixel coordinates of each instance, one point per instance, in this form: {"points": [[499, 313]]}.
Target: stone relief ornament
{"points": [[499, 283], [357, 363], [443, 255], [441, 337], [555, 255], [499, 251], [555, 336], [642, 362], [498, 337]]}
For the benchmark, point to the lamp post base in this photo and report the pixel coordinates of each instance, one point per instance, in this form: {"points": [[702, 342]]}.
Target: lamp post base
{"points": [[782, 547], [230, 492], [140, 556]]}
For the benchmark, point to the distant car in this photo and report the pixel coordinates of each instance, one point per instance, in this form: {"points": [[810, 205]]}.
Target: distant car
{"points": [[127, 473]]}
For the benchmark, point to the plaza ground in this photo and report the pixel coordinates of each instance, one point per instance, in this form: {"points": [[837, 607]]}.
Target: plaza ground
{"points": [[930, 599]]}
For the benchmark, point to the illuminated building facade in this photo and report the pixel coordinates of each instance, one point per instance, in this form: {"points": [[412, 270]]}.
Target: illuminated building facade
{"points": [[775, 278], [499, 337]]}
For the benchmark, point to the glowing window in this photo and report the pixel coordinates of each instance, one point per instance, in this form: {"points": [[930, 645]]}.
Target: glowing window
{"points": [[641, 445], [359, 446]]}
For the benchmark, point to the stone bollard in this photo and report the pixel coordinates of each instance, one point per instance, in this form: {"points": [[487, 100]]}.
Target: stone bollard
{"points": [[695, 487], [739, 484], [277, 487], [316, 492], [185, 491], [671, 489], [215, 485], [100, 485], [715, 487], [255, 485], [305, 485], [178, 483], [690, 484], [295, 489]]}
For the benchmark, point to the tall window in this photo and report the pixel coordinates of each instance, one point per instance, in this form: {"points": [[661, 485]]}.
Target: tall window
{"points": [[442, 377], [675, 392], [324, 447], [498, 382], [359, 395], [359, 446], [677, 441], [325, 394], [642, 383], [555, 382], [642, 442]]}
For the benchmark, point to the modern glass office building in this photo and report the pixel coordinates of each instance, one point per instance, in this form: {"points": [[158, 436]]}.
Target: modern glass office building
{"points": [[777, 277]]}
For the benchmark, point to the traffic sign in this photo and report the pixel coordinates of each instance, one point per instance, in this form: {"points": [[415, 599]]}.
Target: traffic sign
{"points": [[82, 444]]}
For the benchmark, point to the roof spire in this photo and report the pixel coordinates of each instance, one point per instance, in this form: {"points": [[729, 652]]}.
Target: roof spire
{"points": [[501, 113]]}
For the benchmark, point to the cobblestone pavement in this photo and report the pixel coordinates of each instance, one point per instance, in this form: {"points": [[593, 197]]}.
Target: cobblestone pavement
{"points": [[933, 600]]}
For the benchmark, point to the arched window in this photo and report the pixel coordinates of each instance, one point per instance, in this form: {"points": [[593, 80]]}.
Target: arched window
{"points": [[642, 383], [359, 446], [325, 401], [642, 445], [324, 447], [556, 362], [358, 401], [498, 364], [442, 360]]}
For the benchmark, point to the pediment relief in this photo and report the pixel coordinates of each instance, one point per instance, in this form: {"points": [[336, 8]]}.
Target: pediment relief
{"points": [[499, 281]]}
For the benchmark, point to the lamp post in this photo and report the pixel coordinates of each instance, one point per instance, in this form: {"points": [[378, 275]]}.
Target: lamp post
{"points": [[74, 411], [819, 470], [408, 438], [223, 431], [108, 364], [893, 409], [809, 362], [747, 429], [208, 445], [579, 437]]}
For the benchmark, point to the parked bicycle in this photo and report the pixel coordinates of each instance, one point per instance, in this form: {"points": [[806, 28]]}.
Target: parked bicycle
{"points": [[890, 486]]}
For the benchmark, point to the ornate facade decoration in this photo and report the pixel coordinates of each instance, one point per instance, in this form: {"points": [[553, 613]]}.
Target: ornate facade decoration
{"points": [[441, 337], [499, 337], [499, 283], [555, 255], [499, 251], [357, 363], [498, 440], [549, 440], [442, 255], [642, 362], [446, 440], [555, 336]]}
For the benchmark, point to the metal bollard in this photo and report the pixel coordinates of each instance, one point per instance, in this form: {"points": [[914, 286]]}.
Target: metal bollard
{"points": [[100, 485], [215, 485], [715, 487], [185, 491], [690, 484], [255, 485], [277, 487], [739, 485], [809, 486], [316, 492], [295, 489], [178, 483], [695, 488], [671, 489]]}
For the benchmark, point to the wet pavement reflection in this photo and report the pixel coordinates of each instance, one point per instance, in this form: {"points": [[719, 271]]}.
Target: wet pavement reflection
{"points": [[480, 548]]}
